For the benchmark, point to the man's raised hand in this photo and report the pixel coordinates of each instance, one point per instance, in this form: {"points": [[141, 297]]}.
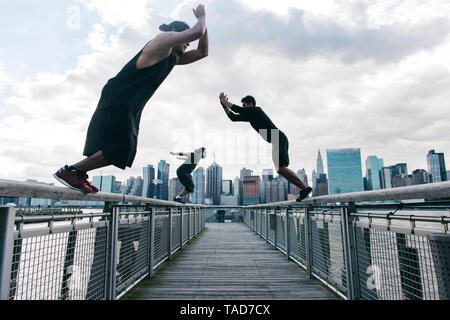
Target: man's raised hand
{"points": [[199, 12]]}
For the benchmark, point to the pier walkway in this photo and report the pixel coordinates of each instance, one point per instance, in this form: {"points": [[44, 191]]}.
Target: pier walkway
{"points": [[230, 261]]}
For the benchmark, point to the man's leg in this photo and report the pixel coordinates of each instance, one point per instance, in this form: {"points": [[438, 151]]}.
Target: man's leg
{"points": [[292, 177], [183, 193], [93, 162]]}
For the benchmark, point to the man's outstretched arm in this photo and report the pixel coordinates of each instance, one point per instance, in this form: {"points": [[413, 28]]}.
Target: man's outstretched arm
{"points": [[227, 108], [197, 54]]}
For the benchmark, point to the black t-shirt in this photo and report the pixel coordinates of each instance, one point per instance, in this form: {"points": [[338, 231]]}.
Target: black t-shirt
{"points": [[256, 116]]}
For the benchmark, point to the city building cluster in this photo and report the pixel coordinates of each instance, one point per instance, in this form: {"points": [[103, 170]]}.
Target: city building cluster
{"points": [[344, 174]]}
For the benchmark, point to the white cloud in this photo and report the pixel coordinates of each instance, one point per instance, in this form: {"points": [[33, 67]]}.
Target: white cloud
{"points": [[119, 13]]}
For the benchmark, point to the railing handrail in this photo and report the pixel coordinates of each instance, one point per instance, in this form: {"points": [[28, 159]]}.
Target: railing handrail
{"points": [[422, 191], [16, 189]]}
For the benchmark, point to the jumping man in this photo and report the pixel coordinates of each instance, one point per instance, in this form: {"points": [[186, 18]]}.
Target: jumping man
{"points": [[184, 171], [258, 119], [114, 127]]}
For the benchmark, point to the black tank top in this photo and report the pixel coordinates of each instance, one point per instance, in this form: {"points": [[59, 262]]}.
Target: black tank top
{"points": [[131, 88]]}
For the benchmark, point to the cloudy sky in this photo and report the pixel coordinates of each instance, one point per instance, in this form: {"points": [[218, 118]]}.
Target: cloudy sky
{"points": [[331, 74]]}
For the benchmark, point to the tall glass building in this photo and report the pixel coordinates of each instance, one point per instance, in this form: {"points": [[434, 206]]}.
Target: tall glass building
{"points": [[198, 176], [162, 181], [344, 170], [373, 172], [214, 183], [148, 189], [436, 166], [105, 183]]}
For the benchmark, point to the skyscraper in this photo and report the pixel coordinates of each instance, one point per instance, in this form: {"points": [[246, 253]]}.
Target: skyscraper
{"points": [[320, 169], [214, 183], [344, 170], [386, 177], [302, 175], [198, 196], [227, 187], [133, 187], [105, 183], [314, 181], [274, 190], [148, 189], [267, 175], [250, 187], [373, 169], [237, 190], [175, 187], [162, 181], [246, 173], [399, 169], [420, 176], [322, 185], [436, 166]]}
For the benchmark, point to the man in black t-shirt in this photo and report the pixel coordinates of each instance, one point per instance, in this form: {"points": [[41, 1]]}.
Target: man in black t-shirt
{"points": [[184, 171], [259, 120]]}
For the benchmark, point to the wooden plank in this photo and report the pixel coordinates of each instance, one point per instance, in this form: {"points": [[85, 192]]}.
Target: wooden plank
{"points": [[228, 261]]}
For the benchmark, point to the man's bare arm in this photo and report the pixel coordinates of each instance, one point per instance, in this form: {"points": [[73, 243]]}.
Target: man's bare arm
{"points": [[197, 54], [160, 47], [185, 154]]}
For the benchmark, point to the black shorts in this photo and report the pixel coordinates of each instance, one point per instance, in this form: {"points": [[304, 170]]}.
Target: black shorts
{"points": [[280, 155], [185, 178]]}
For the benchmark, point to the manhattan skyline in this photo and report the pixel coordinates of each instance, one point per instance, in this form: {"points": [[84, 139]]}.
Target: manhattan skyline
{"points": [[369, 75]]}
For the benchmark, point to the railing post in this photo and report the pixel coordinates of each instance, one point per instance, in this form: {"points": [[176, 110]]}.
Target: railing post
{"points": [[7, 217], [275, 227], [170, 233], [195, 221], [287, 234], [308, 244], [112, 255], [189, 225], [267, 226], [181, 228], [350, 252], [151, 246]]}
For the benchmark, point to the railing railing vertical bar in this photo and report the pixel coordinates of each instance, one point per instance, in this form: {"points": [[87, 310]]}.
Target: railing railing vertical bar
{"points": [[308, 243], [170, 233], [112, 254], [350, 252], [189, 226], [267, 225], [7, 216], [287, 234], [151, 246], [181, 227], [275, 228]]}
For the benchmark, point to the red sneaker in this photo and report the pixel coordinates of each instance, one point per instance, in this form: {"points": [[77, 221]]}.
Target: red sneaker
{"points": [[85, 177], [72, 179]]}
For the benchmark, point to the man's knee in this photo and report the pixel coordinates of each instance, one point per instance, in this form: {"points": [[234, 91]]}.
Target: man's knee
{"points": [[281, 170]]}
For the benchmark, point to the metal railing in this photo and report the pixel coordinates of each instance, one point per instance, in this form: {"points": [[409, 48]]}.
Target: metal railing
{"points": [[87, 256], [386, 251]]}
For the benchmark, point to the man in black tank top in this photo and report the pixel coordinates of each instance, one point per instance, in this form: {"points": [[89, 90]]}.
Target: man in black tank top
{"points": [[259, 120], [114, 128], [184, 171]]}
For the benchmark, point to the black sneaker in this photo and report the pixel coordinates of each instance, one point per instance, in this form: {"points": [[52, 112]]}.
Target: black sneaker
{"points": [[304, 193], [178, 200]]}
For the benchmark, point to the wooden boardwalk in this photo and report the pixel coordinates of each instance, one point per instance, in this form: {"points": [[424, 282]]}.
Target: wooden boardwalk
{"points": [[229, 261]]}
